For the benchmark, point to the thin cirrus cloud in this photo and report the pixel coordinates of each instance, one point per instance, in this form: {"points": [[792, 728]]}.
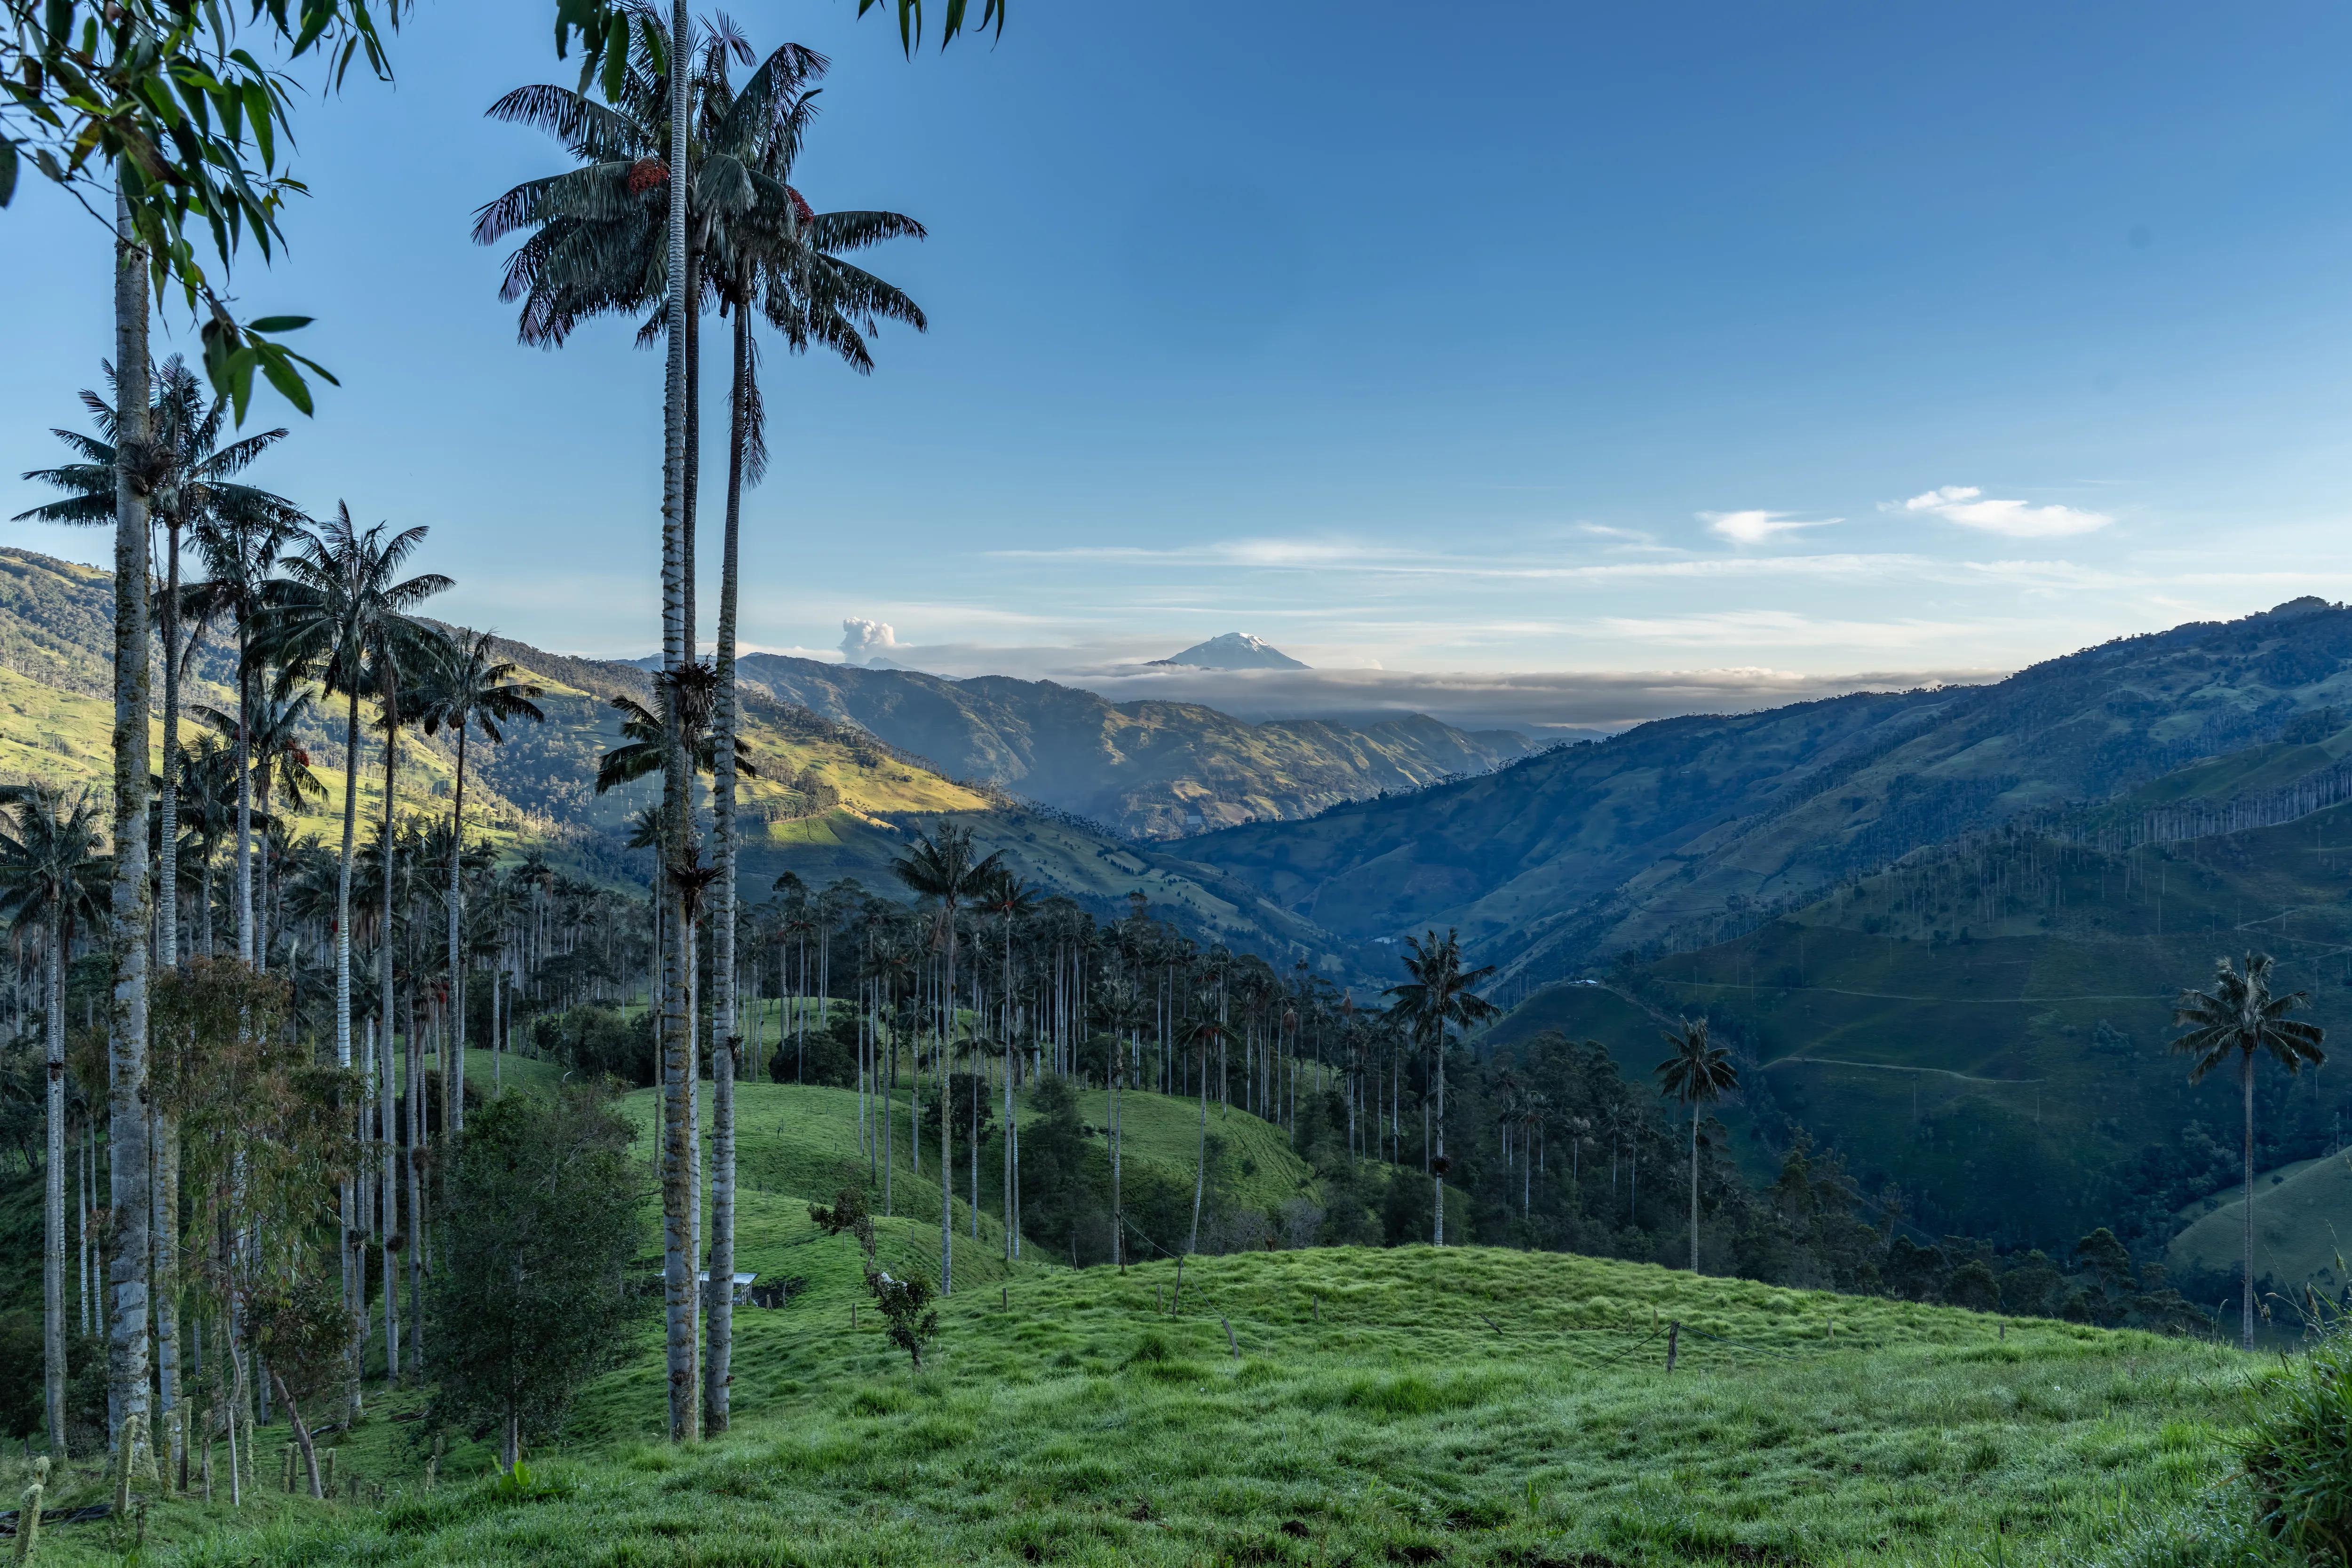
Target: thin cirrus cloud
{"points": [[1969, 506], [1755, 527]]}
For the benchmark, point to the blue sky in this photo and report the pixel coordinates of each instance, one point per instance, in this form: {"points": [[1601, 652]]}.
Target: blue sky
{"points": [[1622, 359]]}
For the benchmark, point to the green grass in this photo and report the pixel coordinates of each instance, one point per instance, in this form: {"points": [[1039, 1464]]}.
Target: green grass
{"points": [[1470, 1405]]}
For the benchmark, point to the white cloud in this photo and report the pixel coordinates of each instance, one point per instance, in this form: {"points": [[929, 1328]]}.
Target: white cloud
{"points": [[865, 641], [1755, 528], [1969, 506]]}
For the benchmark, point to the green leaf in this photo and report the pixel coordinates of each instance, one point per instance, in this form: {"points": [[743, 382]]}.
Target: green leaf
{"points": [[279, 324], [617, 56], [289, 384]]}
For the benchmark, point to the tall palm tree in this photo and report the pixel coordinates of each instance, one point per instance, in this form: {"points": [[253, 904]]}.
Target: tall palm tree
{"points": [[1206, 1033], [1011, 900], [52, 880], [944, 865], [473, 689], [194, 487], [240, 553], [1439, 997], [342, 616], [2241, 1016], [1695, 1075]]}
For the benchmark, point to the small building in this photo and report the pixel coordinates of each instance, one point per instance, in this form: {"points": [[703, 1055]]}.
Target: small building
{"points": [[741, 1292]]}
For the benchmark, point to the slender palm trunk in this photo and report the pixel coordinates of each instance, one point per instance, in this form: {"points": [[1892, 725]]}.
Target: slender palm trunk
{"points": [[1117, 1207], [412, 1163], [1438, 1165], [52, 1195], [384, 1012], [947, 1123], [2246, 1281], [718, 1350], [1200, 1159], [677, 1258], [1011, 1192], [167, 853], [128, 925], [388, 1189], [455, 1076], [1694, 1152], [166, 1267], [355, 1255], [244, 797]]}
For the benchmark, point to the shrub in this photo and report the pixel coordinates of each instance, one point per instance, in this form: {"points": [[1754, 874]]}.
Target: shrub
{"points": [[2294, 1452]]}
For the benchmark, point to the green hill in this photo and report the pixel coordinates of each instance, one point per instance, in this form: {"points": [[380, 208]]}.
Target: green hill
{"points": [[1471, 1406], [1985, 1024], [1153, 770], [2303, 1227], [830, 800]]}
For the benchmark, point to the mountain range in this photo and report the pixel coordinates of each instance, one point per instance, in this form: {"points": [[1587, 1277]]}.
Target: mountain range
{"points": [[1151, 770], [1940, 928]]}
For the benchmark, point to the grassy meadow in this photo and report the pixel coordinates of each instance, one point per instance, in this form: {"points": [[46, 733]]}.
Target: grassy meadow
{"points": [[1328, 1406]]}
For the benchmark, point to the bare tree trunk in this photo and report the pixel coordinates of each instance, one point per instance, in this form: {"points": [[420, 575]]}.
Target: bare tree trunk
{"points": [[354, 1252], [244, 861], [2246, 1288], [128, 925], [678, 648], [947, 1124], [167, 853], [166, 1275], [1694, 1186], [456, 1074], [301, 1433], [53, 1195], [1438, 1165], [718, 1351]]}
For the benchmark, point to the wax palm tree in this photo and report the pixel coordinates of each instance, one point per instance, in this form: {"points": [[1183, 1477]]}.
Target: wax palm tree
{"points": [[472, 689], [1011, 900], [1206, 1032], [2240, 1017], [279, 763], [193, 485], [240, 552], [944, 865], [1695, 1075], [53, 881], [343, 617], [1438, 997]]}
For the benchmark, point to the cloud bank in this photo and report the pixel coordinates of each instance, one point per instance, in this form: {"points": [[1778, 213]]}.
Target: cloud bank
{"points": [[1971, 508]]}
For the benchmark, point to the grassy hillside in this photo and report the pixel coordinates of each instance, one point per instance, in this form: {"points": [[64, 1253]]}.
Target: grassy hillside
{"points": [[1986, 1025], [1153, 770], [2303, 1227], [1469, 1406], [830, 799]]}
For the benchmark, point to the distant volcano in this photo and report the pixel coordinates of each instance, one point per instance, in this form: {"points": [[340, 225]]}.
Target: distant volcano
{"points": [[1233, 650]]}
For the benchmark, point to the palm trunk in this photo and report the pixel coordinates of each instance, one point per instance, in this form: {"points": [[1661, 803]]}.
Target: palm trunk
{"points": [[167, 857], [455, 1075], [1011, 1190], [244, 798], [386, 1015], [128, 925], [718, 1351], [53, 1195], [1438, 1165], [355, 1255], [677, 1260], [947, 1123], [2246, 1287], [1200, 1159], [413, 1164], [1694, 1186], [387, 1101], [165, 1199]]}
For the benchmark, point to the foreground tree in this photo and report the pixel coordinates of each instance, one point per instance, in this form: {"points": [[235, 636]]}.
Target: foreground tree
{"points": [[1439, 998], [544, 1215], [51, 881], [2240, 1017], [1697, 1074]]}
